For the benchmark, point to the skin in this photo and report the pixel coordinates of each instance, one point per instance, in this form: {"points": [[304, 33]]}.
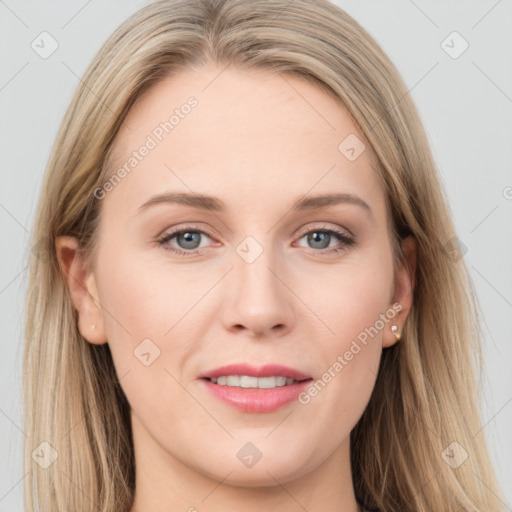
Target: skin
{"points": [[257, 141]]}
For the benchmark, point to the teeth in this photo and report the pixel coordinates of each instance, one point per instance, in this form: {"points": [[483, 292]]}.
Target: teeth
{"points": [[281, 381], [267, 382], [233, 380], [246, 381]]}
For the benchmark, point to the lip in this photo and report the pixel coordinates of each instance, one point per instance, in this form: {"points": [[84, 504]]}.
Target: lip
{"points": [[252, 400]]}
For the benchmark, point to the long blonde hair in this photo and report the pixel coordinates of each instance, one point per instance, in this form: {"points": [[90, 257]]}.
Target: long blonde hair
{"points": [[426, 394]]}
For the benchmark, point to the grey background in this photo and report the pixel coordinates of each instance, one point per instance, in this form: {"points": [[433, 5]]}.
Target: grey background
{"points": [[466, 105]]}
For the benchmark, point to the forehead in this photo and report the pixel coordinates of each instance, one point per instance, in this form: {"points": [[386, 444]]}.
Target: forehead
{"points": [[243, 134]]}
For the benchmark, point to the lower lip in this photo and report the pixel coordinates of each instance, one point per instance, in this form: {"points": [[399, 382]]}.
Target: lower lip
{"points": [[257, 400]]}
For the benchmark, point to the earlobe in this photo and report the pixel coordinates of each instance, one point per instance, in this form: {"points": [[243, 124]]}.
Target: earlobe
{"points": [[396, 331], [404, 292], [82, 288]]}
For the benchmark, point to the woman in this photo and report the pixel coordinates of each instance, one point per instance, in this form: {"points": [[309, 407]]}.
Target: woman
{"points": [[250, 301]]}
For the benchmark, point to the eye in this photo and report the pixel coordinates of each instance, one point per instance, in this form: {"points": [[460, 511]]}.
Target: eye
{"points": [[188, 240], [321, 238]]}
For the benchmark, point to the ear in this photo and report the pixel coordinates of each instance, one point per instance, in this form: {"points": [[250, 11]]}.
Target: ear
{"points": [[403, 292], [82, 288]]}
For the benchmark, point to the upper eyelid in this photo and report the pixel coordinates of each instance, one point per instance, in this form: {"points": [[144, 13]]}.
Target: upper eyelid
{"points": [[306, 230], [173, 233], [302, 232]]}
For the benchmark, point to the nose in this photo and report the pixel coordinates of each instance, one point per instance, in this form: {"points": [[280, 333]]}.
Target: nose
{"points": [[259, 300]]}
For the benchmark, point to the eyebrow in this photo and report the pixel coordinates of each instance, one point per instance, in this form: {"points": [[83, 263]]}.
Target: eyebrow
{"points": [[214, 204]]}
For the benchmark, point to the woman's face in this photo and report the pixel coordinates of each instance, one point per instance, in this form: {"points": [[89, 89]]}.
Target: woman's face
{"points": [[264, 272]]}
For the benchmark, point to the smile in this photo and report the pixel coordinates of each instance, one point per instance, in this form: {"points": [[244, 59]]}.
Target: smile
{"points": [[247, 381], [255, 389]]}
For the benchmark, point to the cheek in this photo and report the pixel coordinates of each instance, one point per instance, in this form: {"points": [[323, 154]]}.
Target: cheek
{"points": [[351, 297], [357, 311], [143, 301], [137, 307], [146, 326]]}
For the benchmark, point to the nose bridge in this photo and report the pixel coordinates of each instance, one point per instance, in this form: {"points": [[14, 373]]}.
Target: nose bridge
{"points": [[259, 299], [253, 269]]}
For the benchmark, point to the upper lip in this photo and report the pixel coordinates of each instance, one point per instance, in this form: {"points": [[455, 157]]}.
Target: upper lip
{"points": [[268, 370]]}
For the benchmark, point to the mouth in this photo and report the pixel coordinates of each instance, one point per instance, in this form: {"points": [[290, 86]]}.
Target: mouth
{"points": [[250, 382], [255, 390]]}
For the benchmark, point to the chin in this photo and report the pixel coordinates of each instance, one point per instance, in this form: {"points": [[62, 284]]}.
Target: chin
{"points": [[266, 472]]}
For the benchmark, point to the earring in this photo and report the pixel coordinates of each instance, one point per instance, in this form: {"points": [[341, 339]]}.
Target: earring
{"points": [[394, 330], [93, 327]]}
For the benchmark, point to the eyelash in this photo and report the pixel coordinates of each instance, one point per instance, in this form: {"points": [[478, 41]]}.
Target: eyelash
{"points": [[346, 240]]}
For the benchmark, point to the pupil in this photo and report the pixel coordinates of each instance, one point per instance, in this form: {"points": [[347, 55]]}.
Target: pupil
{"points": [[319, 237], [189, 239]]}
